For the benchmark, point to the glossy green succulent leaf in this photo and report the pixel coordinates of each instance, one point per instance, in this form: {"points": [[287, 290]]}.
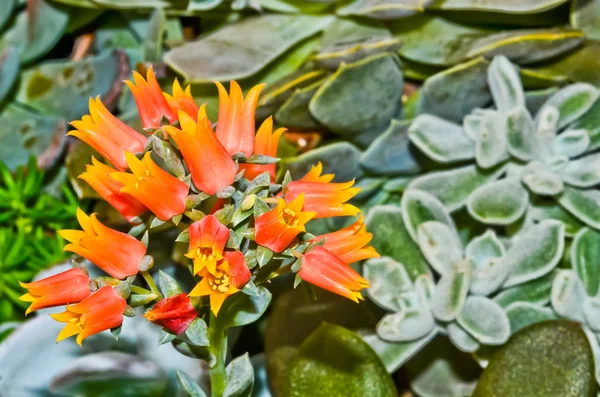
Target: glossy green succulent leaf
{"points": [[442, 370], [197, 331], [564, 365], [524, 314], [440, 140], [573, 102], [134, 4], [551, 210], [242, 309], [453, 187], [571, 143], [440, 245], [499, 203], [336, 361], [451, 291], [391, 153], [535, 291], [26, 134], [505, 85], [390, 238], [114, 33], [583, 172], [520, 134], [168, 285], [395, 354], [189, 385], [454, 92], [349, 51], [294, 112], [383, 9], [36, 30], [340, 158], [350, 29], [419, 207], [568, 295], [407, 325], [582, 204], [350, 102], [388, 279], [486, 252], [536, 253], [584, 259], [240, 377], [64, 87], [9, 70], [6, 11], [462, 339], [512, 6], [250, 46]]}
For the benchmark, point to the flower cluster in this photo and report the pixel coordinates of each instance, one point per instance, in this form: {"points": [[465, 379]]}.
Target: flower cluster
{"points": [[217, 186]]}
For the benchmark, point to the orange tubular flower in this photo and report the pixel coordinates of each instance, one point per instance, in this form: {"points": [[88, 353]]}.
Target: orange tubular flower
{"points": [[98, 177], [182, 100], [230, 276], [174, 313], [350, 243], [235, 128], [151, 103], [108, 135], [118, 254], [323, 197], [265, 142], [208, 161], [61, 289], [277, 228], [323, 269], [208, 238], [158, 190], [98, 312]]}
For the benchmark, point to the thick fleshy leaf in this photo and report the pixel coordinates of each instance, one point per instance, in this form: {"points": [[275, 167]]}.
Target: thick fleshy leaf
{"points": [[189, 385], [485, 252], [485, 320], [524, 314], [455, 92], [451, 291], [294, 112], [168, 285], [9, 70], [391, 238], [6, 11], [340, 158], [241, 309], [461, 338], [535, 291], [240, 377], [583, 204], [349, 51], [347, 29], [572, 143], [591, 313], [568, 295], [409, 324], [382, 9], [453, 187], [334, 360], [584, 16], [243, 49], [505, 85], [440, 140], [551, 210], [419, 207], [536, 99], [440, 245], [511, 7], [391, 153], [350, 102], [590, 122], [540, 179], [396, 354], [492, 146], [585, 256], [499, 203], [520, 134], [583, 172], [573, 102], [564, 364], [536, 253], [578, 65], [388, 279]]}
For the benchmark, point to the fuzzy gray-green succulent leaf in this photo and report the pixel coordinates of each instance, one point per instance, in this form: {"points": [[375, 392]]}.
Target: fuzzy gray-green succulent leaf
{"points": [[406, 325], [462, 339], [520, 134], [546, 128], [388, 280], [440, 245], [583, 172], [568, 295], [451, 291], [485, 252], [499, 203], [572, 102], [583, 204], [485, 320], [524, 314], [591, 312], [585, 256], [492, 146], [572, 143], [419, 207], [441, 140], [540, 179], [505, 85]]}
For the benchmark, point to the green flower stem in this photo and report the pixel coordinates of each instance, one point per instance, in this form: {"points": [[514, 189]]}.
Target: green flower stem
{"points": [[140, 290], [217, 338], [151, 283]]}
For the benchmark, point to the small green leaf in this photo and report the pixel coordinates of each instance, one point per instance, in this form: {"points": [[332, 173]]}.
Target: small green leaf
{"points": [[541, 180], [189, 385], [461, 338], [241, 309], [585, 252], [499, 203], [583, 172], [197, 332], [485, 320], [485, 252], [441, 140], [407, 325], [492, 146], [572, 143], [141, 299], [583, 204], [396, 354], [240, 377], [451, 291], [168, 285], [166, 337], [505, 85], [263, 255], [388, 279], [440, 245], [419, 207], [568, 295], [524, 314], [573, 102], [520, 134], [536, 291]]}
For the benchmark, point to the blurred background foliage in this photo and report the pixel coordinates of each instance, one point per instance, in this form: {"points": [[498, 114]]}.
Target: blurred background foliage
{"points": [[345, 78]]}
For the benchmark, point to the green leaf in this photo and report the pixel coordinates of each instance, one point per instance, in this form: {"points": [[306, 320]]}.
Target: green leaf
{"points": [[243, 49], [461, 338], [583, 172], [263, 255], [154, 37], [590, 122], [583, 204], [189, 385], [453, 187], [573, 102], [485, 320], [6, 11], [197, 332], [294, 112], [440, 140], [485, 252], [584, 259], [388, 279], [524, 314], [584, 16], [568, 295], [440, 245], [541, 180], [492, 145], [407, 325], [591, 313], [242, 309], [335, 361], [395, 354], [505, 85], [536, 291], [503, 6], [499, 203], [419, 207], [383, 9], [536, 253], [451, 291], [564, 364], [9, 69], [340, 158], [350, 102], [551, 210], [240, 377], [520, 134], [571, 143], [168, 285]]}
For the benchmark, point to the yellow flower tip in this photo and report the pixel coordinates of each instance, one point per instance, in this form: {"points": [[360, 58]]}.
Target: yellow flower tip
{"points": [[26, 297], [202, 112]]}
